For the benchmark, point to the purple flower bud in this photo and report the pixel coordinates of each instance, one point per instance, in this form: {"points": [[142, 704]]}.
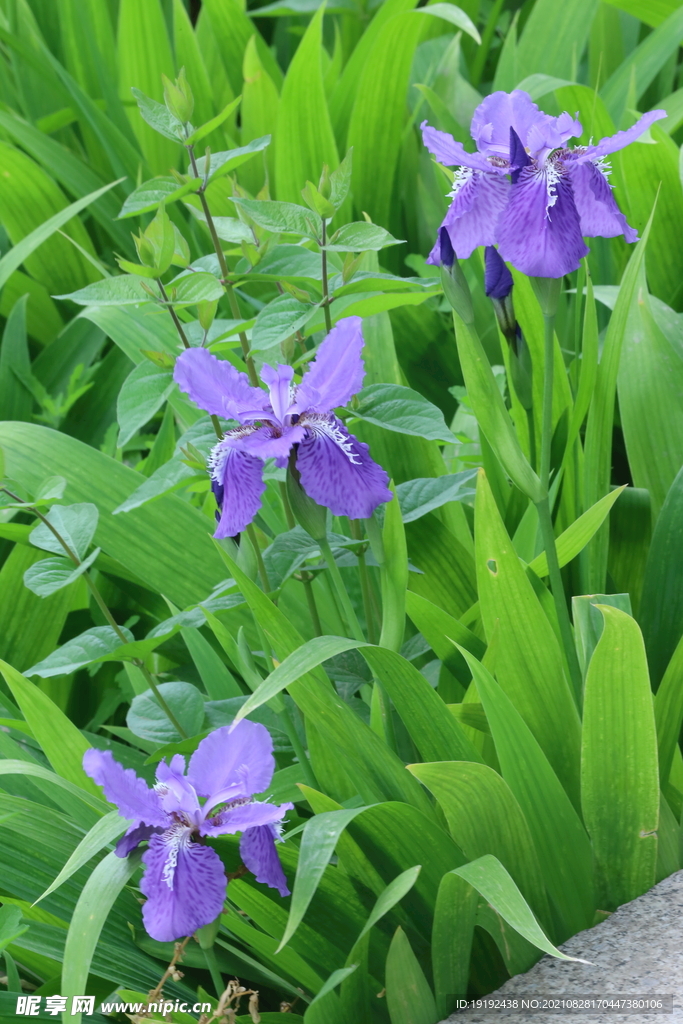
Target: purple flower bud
{"points": [[498, 279], [447, 251]]}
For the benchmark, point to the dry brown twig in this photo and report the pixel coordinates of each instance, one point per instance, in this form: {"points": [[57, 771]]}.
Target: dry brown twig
{"points": [[226, 1012]]}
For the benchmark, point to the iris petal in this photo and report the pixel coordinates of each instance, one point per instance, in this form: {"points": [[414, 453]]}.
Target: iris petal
{"points": [[258, 852], [184, 883], [235, 763], [539, 231], [337, 372], [133, 797], [215, 385], [337, 471], [600, 216], [239, 477], [473, 214]]}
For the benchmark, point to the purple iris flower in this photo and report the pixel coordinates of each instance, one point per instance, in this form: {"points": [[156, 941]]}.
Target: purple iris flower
{"points": [[184, 880], [334, 466], [553, 197]]}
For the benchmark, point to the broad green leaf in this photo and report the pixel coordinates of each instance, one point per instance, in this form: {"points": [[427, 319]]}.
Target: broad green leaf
{"points": [[320, 836], [51, 574], [279, 320], [314, 695], [409, 998], [619, 772], [554, 37], [230, 159], [490, 878], [305, 140], [195, 287], [16, 401], [401, 409], [669, 712], [123, 290], [217, 679], [185, 567], [418, 497], [443, 632], [652, 12], [489, 408], [377, 119], [13, 259], [143, 393], [359, 237], [29, 626], [287, 218], [388, 899], [661, 608], [432, 728], [11, 925], [633, 76], [154, 193], [169, 477], [103, 832], [14, 767], [158, 116], [289, 262], [574, 539], [530, 668], [484, 817], [89, 917], [563, 847], [650, 385], [76, 524], [215, 122], [454, 920], [92, 645], [147, 719], [62, 743], [588, 622], [598, 440]]}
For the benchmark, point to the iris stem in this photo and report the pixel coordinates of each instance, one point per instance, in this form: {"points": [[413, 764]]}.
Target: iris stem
{"points": [[263, 574], [212, 964], [174, 315], [225, 271], [544, 514], [94, 590], [326, 291], [356, 533], [306, 580], [344, 599]]}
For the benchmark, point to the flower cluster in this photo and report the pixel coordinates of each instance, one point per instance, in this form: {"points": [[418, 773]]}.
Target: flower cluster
{"points": [[334, 467], [525, 190], [184, 879]]}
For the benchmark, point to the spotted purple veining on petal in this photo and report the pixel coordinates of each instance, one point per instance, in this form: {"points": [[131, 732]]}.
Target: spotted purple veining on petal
{"points": [[554, 194], [337, 471], [184, 879]]}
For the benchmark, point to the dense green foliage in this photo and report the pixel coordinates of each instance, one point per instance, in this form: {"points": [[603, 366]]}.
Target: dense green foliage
{"points": [[470, 789]]}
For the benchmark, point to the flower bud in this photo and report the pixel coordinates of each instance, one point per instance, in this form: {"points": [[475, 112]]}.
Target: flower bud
{"points": [[455, 287], [308, 514], [178, 97], [498, 285], [206, 935]]}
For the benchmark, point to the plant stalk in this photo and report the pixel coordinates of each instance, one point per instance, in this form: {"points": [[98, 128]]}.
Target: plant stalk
{"points": [[344, 599], [225, 271], [212, 964], [174, 315], [544, 514], [326, 291]]}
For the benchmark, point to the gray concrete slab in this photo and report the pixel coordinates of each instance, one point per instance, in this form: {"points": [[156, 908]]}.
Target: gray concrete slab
{"points": [[637, 951]]}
